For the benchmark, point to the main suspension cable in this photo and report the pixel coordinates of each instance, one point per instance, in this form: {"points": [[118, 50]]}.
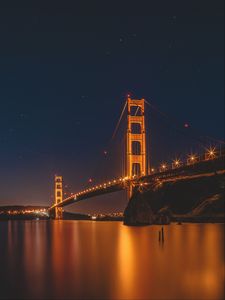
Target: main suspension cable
{"points": [[118, 123], [174, 120]]}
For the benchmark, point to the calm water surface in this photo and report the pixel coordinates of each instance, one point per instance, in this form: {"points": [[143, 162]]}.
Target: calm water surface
{"points": [[106, 260]]}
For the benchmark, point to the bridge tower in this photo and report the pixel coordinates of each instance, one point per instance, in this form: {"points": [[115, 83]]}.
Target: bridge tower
{"points": [[58, 195], [136, 139]]}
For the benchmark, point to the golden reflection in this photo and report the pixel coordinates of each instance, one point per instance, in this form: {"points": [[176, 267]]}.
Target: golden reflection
{"points": [[126, 264], [106, 260], [10, 238], [35, 247], [204, 269], [57, 254]]}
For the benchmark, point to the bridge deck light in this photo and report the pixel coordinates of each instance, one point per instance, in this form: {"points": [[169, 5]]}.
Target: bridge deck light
{"points": [[176, 162], [211, 153], [192, 158], [163, 166]]}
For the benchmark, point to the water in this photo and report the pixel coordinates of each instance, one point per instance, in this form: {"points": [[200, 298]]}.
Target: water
{"points": [[106, 260]]}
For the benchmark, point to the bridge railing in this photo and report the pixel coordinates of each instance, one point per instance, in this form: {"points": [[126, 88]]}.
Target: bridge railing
{"points": [[191, 159]]}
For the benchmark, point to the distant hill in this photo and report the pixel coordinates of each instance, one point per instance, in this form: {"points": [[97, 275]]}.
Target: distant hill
{"points": [[22, 212], [75, 216], [21, 207]]}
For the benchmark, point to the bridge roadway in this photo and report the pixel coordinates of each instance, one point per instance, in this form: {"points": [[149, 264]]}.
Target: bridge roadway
{"points": [[213, 165], [101, 189]]}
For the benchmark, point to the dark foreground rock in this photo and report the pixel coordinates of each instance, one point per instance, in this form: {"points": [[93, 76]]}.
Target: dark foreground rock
{"points": [[139, 211], [197, 199]]}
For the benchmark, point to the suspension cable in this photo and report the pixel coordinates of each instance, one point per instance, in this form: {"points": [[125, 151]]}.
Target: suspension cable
{"points": [[174, 120], [118, 123]]}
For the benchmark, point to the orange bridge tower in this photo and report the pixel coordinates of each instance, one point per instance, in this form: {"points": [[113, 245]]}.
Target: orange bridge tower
{"points": [[136, 139], [58, 195]]}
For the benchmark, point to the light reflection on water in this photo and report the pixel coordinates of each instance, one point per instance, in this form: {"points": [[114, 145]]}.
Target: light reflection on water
{"points": [[106, 260]]}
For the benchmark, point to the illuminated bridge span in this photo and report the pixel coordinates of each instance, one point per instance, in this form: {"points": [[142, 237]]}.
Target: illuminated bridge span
{"points": [[138, 173]]}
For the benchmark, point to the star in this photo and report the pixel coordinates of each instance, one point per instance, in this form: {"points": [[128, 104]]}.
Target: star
{"points": [[11, 130], [83, 98], [22, 116], [170, 45]]}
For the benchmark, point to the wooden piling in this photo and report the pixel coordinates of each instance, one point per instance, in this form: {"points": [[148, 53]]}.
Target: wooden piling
{"points": [[162, 234]]}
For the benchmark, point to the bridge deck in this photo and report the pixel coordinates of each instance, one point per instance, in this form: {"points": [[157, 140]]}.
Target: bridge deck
{"points": [[122, 183]]}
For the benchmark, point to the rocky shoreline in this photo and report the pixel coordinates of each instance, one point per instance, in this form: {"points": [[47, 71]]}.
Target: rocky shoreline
{"points": [[192, 200]]}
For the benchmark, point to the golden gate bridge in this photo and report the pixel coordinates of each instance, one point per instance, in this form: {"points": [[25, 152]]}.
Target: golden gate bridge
{"points": [[137, 170]]}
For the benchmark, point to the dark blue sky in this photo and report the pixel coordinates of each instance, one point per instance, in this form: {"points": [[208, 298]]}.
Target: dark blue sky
{"points": [[65, 71]]}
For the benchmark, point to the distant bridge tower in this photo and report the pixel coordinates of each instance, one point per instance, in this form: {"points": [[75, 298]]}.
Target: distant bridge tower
{"points": [[58, 196], [136, 139]]}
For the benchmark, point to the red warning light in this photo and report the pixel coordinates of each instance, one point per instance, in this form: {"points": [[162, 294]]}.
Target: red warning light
{"points": [[186, 125], [105, 152], [90, 180]]}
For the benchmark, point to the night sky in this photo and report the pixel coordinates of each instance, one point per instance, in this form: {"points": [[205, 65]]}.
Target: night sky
{"points": [[65, 71]]}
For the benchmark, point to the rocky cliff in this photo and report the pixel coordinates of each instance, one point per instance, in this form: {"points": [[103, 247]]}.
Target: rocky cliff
{"points": [[195, 199]]}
